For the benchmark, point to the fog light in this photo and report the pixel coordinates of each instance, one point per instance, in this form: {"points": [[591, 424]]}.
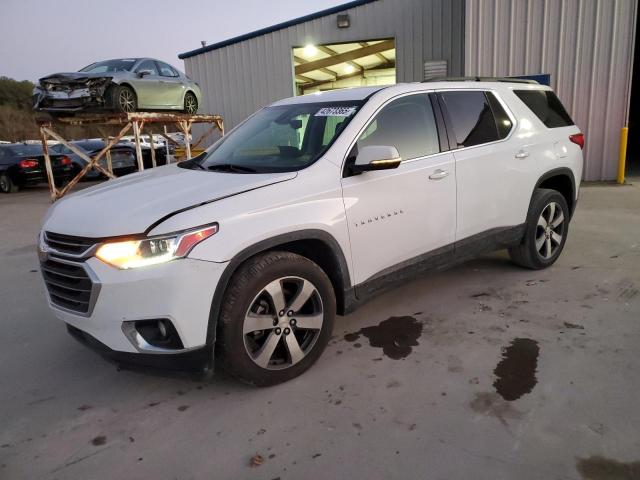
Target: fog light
{"points": [[153, 335]]}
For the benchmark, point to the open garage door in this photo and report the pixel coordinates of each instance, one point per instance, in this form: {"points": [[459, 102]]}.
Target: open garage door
{"points": [[342, 65]]}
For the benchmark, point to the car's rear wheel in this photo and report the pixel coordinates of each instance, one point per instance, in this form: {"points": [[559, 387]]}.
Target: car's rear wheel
{"points": [[545, 233], [190, 103], [125, 99], [7, 185], [276, 319]]}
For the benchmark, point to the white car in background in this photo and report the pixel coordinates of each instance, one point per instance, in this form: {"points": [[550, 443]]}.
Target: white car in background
{"points": [[306, 210]]}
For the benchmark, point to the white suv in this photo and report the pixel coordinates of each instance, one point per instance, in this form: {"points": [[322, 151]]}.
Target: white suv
{"points": [[305, 210]]}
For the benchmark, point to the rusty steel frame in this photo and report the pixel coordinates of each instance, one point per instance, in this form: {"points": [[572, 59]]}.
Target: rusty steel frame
{"points": [[135, 121]]}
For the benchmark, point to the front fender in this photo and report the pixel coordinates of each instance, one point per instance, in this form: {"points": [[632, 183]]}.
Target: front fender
{"points": [[268, 244]]}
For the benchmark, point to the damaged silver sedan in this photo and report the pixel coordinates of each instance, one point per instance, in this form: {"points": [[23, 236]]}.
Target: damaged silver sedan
{"points": [[122, 85]]}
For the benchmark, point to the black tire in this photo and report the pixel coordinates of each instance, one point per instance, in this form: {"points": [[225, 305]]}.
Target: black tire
{"points": [[124, 99], [247, 289], [7, 185], [190, 103], [528, 254]]}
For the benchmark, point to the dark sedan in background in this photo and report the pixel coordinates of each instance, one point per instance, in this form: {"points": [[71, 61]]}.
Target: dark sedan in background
{"points": [[22, 165], [123, 157]]}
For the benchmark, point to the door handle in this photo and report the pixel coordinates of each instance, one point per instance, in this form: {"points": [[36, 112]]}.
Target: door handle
{"points": [[438, 174], [522, 154]]}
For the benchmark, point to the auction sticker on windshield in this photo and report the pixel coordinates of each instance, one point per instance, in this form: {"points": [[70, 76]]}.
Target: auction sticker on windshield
{"points": [[336, 112]]}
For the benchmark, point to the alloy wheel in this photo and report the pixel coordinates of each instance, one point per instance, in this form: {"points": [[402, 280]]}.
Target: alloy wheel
{"points": [[550, 230], [190, 104], [283, 323], [126, 100], [4, 184]]}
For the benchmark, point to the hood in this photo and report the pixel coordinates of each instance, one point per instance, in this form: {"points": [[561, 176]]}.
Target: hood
{"points": [[75, 80], [132, 204], [73, 77]]}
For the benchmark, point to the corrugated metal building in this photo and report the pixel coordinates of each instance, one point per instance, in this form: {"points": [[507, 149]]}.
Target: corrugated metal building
{"points": [[585, 45], [242, 74]]}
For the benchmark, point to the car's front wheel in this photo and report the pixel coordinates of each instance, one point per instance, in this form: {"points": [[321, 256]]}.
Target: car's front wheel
{"points": [[190, 104], [125, 99], [276, 319], [545, 232]]}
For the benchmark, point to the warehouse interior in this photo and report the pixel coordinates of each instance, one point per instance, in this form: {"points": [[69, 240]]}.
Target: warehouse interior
{"points": [[342, 65]]}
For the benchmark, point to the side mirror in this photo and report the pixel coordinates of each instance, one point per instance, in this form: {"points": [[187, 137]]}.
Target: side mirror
{"points": [[144, 73], [377, 157]]}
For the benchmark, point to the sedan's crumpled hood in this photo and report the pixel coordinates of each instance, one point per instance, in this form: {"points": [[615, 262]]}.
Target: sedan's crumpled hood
{"points": [[72, 77], [131, 204]]}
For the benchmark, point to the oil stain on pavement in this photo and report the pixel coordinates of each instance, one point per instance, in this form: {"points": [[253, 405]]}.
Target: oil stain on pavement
{"points": [[395, 336], [516, 372]]}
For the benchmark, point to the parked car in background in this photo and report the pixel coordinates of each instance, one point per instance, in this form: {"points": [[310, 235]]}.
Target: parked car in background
{"points": [[309, 208], [22, 165], [121, 85], [123, 157], [159, 144]]}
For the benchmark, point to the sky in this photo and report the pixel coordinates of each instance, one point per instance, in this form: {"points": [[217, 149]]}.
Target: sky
{"points": [[40, 37]]}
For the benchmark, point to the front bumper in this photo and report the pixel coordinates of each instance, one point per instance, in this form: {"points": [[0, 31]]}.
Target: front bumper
{"points": [[197, 360], [70, 101], [36, 176], [180, 291]]}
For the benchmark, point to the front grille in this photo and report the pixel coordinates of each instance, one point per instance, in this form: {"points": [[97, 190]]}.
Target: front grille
{"points": [[68, 245], [68, 284]]}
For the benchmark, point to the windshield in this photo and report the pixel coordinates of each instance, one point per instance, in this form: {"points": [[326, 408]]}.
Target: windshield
{"points": [[281, 138], [110, 66]]}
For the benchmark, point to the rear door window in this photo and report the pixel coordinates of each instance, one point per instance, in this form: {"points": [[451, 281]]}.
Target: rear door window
{"points": [[472, 117], [503, 122], [547, 107], [166, 70]]}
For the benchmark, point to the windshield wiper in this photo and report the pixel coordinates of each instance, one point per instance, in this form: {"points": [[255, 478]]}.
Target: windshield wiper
{"points": [[229, 167]]}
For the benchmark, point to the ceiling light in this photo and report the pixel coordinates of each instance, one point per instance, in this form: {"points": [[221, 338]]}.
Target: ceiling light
{"points": [[349, 69], [310, 50]]}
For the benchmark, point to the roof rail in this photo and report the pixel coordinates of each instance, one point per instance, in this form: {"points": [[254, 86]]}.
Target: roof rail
{"points": [[481, 79]]}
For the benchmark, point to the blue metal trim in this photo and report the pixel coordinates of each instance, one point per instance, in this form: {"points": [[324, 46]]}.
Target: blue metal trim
{"points": [[273, 28]]}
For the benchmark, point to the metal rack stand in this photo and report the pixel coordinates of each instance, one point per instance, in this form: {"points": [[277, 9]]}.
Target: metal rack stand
{"points": [[129, 121]]}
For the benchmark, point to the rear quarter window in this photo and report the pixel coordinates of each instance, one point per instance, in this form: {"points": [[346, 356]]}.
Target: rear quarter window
{"points": [[546, 106]]}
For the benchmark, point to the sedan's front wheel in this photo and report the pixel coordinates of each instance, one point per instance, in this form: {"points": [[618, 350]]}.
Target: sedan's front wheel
{"points": [[276, 319], [125, 99], [190, 104]]}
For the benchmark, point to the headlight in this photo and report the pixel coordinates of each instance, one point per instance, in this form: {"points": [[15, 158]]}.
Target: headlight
{"points": [[151, 251]]}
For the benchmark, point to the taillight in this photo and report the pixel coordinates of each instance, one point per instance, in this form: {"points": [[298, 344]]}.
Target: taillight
{"points": [[578, 139], [65, 161], [28, 163]]}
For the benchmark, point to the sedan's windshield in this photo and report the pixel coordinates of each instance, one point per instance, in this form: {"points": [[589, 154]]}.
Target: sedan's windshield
{"points": [[281, 138], [111, 66]]}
